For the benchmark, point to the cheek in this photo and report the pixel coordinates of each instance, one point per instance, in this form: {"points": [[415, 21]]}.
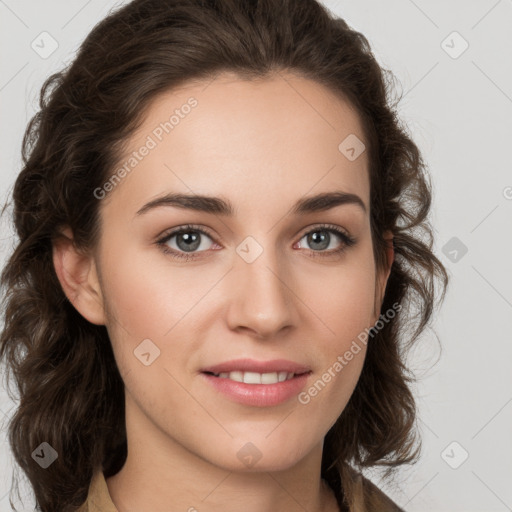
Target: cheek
{"points": [[147, 300], [342, 299], [345, 309]]}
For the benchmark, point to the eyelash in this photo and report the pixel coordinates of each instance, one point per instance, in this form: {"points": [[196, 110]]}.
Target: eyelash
{"points": [[347, 240]]}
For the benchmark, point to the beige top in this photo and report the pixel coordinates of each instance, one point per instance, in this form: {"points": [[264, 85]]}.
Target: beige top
{"points": [[98, 499], [369, 498]]}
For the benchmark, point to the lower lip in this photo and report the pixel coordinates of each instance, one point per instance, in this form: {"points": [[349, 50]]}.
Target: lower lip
{"points": [[258, 395]]}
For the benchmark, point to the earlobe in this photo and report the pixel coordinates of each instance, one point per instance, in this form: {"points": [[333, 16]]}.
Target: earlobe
{"points": [[78, 277]]}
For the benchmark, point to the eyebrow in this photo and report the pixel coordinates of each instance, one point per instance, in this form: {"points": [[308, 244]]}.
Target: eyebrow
{"points": [[218, 206]]}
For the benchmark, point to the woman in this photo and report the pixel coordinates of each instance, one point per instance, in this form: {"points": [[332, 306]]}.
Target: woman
{"points": [[221, 235]]}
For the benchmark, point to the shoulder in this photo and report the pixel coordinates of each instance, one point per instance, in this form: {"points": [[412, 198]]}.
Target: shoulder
{"points": [[98, 498], [370, 498], [83, 508]]}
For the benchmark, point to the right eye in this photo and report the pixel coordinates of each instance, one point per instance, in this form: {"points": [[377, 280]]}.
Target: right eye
{"points": [[188, 240]]}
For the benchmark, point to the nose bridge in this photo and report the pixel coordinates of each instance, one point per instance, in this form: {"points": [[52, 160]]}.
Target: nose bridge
{"points": [[261, 300]]}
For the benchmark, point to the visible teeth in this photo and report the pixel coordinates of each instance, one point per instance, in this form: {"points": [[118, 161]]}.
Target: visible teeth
{"points": [[238, 376], [256, 378], [252, 378], [269, 378]]}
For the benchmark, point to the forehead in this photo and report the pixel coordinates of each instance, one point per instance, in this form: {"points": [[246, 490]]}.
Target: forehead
{"points": [[277, 137]]}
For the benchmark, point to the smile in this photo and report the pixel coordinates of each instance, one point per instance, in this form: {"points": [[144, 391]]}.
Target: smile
{"points": [[257, 389]]}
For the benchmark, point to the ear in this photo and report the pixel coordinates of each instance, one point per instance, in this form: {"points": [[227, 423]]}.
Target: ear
{"points": [[78, 277], [383, 276]]}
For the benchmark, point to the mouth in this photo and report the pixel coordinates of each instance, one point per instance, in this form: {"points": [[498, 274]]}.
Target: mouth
{"points": [[257, 378], [257, 383], [256, 389]]}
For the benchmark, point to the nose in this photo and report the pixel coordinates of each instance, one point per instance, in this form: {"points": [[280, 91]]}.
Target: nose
{"points": [[261, 298]]}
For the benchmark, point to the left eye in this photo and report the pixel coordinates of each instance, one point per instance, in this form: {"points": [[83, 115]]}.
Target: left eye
{"points": [[320, 239]]}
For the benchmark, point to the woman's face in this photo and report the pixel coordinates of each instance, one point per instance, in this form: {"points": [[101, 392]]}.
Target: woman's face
{"points": [[267, 281]]}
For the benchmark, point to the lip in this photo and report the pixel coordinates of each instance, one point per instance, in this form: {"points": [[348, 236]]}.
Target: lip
{"points": [[258, 395], [251, 365]]}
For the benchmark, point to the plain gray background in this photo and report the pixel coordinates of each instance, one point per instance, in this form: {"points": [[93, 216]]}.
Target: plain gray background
{"points": [[458, 105]]}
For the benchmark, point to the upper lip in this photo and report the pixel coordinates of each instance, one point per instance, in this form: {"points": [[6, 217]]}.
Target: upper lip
{"points": [[251, 365]]}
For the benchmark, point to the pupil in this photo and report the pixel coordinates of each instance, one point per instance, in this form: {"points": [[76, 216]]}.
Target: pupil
{"points": [[190, 240], [319, 239]]}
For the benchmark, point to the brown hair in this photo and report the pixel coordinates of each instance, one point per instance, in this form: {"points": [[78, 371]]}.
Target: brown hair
{"points": [[71, 394]]}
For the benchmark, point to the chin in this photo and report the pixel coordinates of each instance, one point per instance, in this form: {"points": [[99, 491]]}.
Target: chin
{"points": [[254, 457]]}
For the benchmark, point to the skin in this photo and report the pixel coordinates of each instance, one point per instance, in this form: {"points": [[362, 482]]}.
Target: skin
{"points": [[262, 145]]}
